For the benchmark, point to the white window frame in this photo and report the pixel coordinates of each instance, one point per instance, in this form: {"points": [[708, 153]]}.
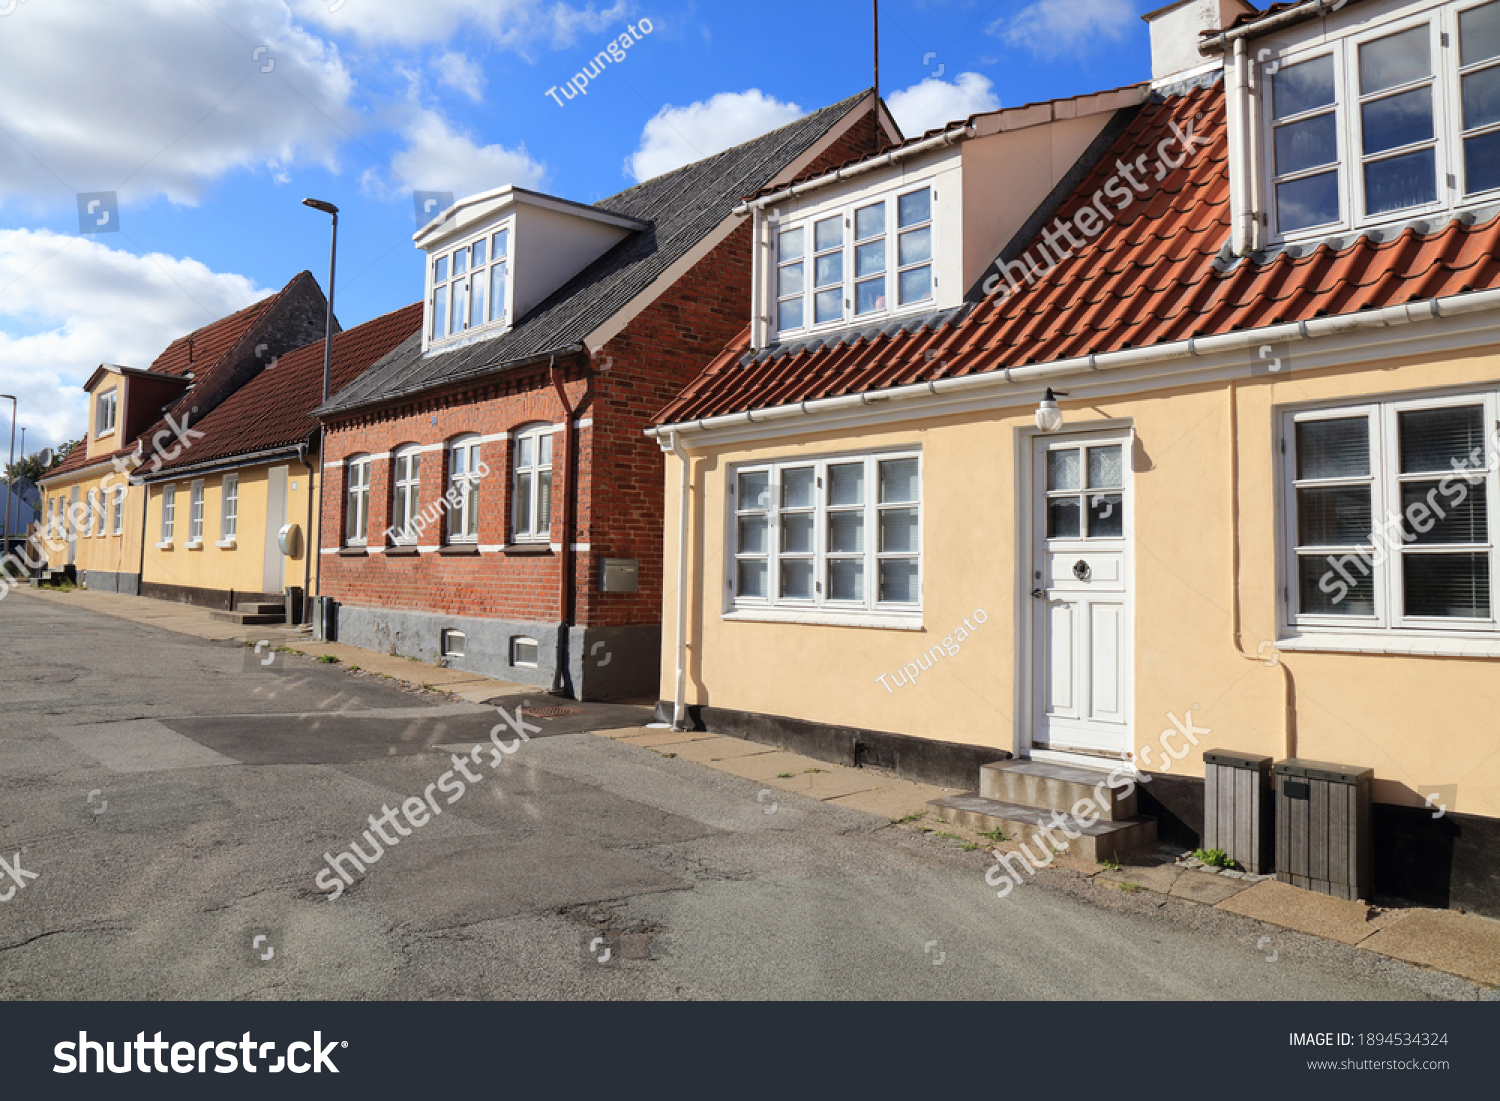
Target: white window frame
{"points": [[357, 501], [229, 511], [452, 643], [168, 514], [893, 268], [406, 494], [496, 244], [821, 608], [464, 460], [1447, 107], [93, 507], [119, 510], [535, 438], [519, 641], [195, 514], [108, 412], [1388, 627]]}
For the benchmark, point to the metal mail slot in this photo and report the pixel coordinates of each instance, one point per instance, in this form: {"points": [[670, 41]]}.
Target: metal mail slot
{"points": [[1294, 789]]}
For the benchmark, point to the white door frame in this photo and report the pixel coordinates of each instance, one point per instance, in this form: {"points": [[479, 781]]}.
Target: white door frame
{"points": [[1028, 608]]}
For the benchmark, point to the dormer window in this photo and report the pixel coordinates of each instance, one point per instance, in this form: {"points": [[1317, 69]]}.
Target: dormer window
{"points": [[105, 417], [866, 259], [1397, 121], [468, 286]]}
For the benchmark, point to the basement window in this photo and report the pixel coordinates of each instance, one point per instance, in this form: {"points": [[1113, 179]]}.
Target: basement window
{"points": [[452, 644], [523, 652]]}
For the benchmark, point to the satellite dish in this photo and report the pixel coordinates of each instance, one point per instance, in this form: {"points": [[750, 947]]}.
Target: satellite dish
{"points": [[45, 457]]}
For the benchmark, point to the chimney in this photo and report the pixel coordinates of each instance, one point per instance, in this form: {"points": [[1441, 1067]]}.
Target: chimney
{"points": [[1175, 35]]}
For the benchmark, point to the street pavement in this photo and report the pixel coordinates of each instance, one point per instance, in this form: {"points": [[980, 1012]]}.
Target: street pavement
{"points": [[172, 799]]}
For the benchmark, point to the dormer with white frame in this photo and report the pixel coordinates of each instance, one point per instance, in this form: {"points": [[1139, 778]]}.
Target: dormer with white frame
{"points": [[493, 257], [1374, 116]]}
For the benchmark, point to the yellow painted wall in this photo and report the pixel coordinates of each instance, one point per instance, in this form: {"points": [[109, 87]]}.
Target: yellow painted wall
{"points": [[107, 551], [1418, 721]]}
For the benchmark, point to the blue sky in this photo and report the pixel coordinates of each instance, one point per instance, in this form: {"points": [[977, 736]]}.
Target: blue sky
{"points": [[210, 120]]}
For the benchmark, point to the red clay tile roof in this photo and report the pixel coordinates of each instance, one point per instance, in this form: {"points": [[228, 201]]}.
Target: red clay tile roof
{"points": [[275, 408], [207, 347], [1148, 278]]}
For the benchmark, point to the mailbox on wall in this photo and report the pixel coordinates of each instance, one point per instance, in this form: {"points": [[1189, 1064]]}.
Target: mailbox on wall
{"points": [[619, 575]]}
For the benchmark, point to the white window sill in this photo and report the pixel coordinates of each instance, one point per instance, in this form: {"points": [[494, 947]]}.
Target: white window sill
{"points": [[883, 620], [165, 544], [193, 544], [1392, 642], [225, 544]]}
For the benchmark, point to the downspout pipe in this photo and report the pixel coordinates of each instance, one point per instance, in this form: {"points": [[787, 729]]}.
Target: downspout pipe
{"points": [[679, 696], [312, 545], [1244, 191], [565, 580]]}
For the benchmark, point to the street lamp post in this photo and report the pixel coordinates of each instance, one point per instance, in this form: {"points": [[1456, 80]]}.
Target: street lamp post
{"points": [[315, 546], [5, 539]]}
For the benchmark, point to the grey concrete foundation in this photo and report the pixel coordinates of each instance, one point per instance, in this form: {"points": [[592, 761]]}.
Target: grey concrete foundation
{"points": [[100, 581]]}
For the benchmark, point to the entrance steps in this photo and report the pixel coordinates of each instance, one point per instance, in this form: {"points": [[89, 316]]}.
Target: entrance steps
{"points": [[249, 614], [1020, 798]]}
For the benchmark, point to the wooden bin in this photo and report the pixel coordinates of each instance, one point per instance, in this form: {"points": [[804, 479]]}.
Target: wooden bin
{"points": [[1237, 810], [1323, 827]]}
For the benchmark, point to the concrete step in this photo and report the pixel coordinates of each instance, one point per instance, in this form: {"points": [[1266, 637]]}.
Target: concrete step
{"points": [[277, 608], [1099, 841], [249, 619], [1052, 786]]}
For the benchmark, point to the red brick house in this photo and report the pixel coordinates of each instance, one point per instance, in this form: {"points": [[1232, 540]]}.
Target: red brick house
{"points": [[489, 496]]}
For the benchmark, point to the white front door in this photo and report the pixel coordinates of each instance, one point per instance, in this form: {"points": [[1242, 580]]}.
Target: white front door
{"points": [[1080, 587]]}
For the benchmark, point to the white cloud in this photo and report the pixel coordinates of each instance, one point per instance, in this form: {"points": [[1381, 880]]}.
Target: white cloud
{"points": [[162, 97], [459, 72], [1057, 28], [680, 135], [934, 102], [439, 158], [77, 303], [510, 23]]}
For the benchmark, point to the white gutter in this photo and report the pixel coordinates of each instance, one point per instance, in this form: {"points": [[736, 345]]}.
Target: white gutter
{"points": [[1390, 316], [679, 698], [1313, 9], [893, 156]]}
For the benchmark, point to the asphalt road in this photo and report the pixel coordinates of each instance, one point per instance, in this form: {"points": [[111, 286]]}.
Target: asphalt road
{"points": [[174, 801]]}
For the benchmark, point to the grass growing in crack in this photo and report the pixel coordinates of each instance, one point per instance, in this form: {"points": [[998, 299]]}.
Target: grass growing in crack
{"points": [[1215, 858], [669, 755], [994, 834], [784, 775], [805, 771], [328, 659], [1129, 888], [910, 818], [1111, 862]]}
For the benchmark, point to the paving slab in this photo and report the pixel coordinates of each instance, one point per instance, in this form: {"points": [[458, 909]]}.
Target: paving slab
{"points": [[769, 766], [651, 739], [829, 784], [1210, 890], [1305, 911], [1459, 944], [1159, 878], [894, 800], [717, 750]]}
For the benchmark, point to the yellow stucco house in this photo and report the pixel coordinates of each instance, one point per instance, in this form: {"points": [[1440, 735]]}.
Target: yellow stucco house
{"points": [[1106, 444], [93, 506]]}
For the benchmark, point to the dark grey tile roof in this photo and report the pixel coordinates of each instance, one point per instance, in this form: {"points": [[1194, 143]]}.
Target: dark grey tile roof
{"points": [[682, 208]]}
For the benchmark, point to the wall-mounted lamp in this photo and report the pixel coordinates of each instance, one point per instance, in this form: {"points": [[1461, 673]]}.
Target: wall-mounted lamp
{"points": [[1049, 417]]}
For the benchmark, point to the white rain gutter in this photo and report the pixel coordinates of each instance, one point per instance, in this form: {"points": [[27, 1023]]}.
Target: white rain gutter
{"points": [[1313, 9], [894, 156], [679, 698], [1193, 348]]}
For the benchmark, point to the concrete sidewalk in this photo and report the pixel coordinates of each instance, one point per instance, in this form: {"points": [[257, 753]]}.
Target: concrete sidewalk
{"points": [[189, 620], [1443, 940]]}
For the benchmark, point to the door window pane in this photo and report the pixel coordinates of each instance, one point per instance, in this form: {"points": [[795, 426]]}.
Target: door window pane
{"points": [[1106, 467], [1063, 470], [1106, 516], [1064, 518]]}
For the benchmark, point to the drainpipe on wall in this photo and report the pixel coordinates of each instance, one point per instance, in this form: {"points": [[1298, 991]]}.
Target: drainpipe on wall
{"points": [[565, 581], [309, 544], [1246, 217], [679, 698]]}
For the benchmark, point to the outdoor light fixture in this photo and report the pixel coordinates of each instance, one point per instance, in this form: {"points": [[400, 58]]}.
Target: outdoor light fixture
{"points": [[1049, 417]]}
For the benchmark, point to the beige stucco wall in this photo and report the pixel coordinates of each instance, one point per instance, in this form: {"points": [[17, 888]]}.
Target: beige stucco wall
{"points": [[1418, 721], [107, 551]]}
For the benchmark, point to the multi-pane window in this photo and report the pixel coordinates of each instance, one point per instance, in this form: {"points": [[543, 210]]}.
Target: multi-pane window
{"points": [[357, 502], [831, 534], [119, 517], [1399, 119], [195, 513], [847, 264], [229, 508], [532, 485], [469, 286], [107, 409], [464, 472], [405, 491], [1390, 519], [93, 506], [168, 513], [1085, 492]]}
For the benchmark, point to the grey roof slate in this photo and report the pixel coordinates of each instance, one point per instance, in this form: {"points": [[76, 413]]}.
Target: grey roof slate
{"points": [[682, 208]]}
